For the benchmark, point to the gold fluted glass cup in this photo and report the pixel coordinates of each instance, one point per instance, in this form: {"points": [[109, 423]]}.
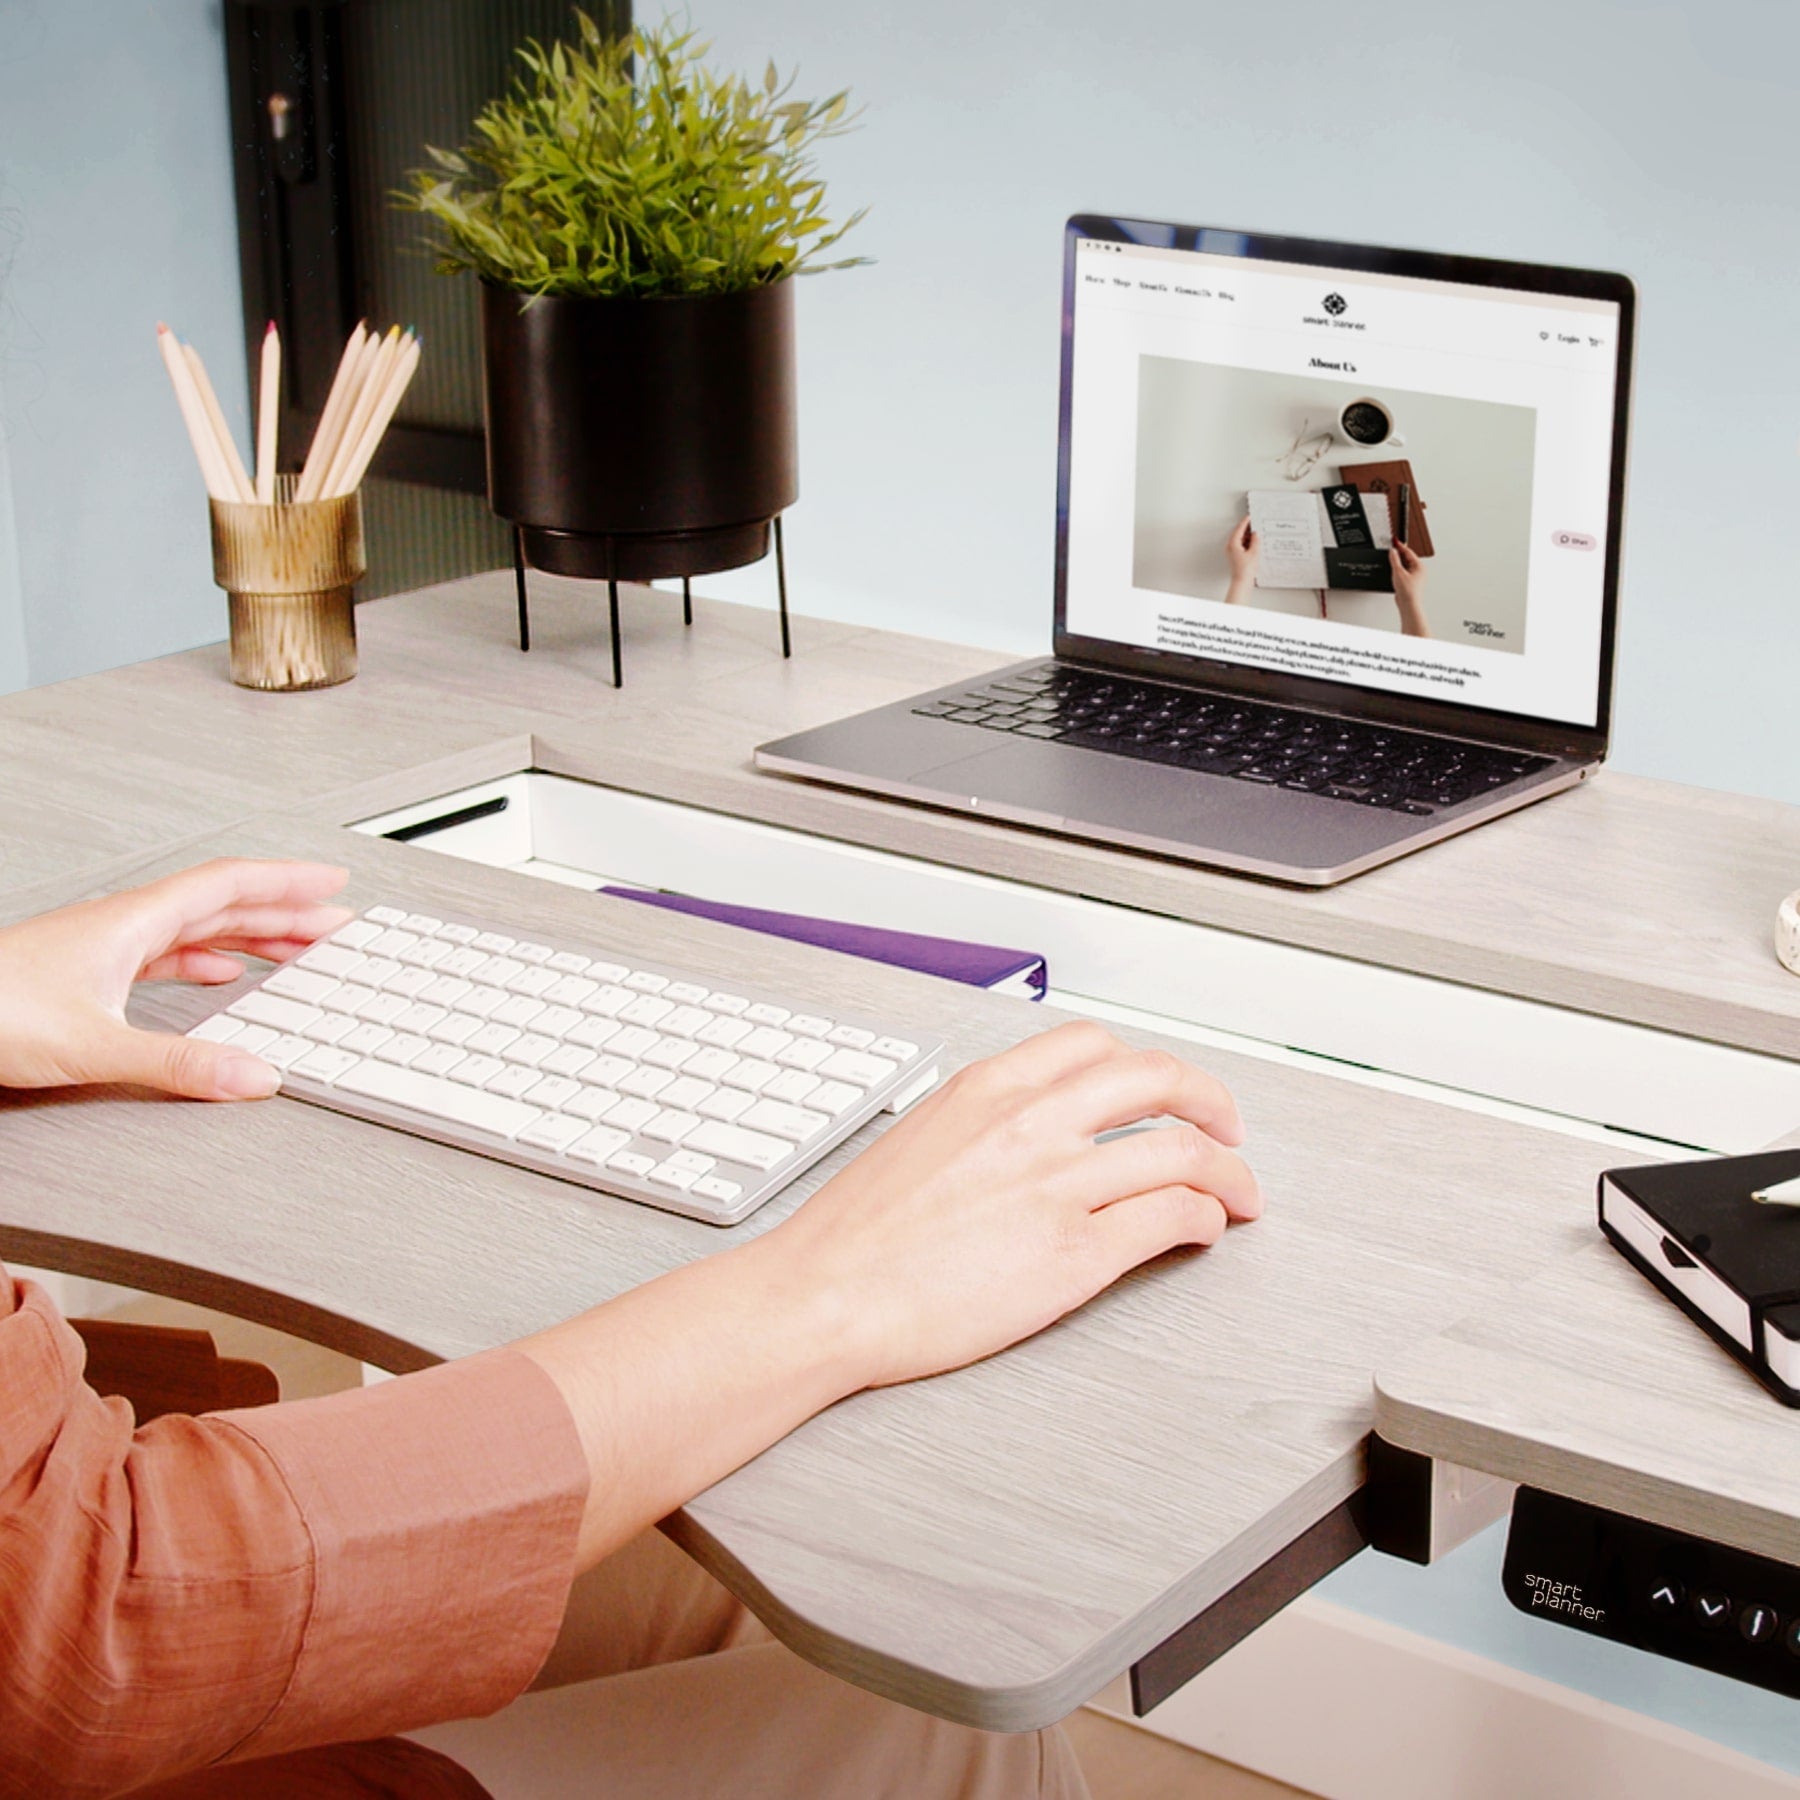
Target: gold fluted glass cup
{"points": [[289, 571]]}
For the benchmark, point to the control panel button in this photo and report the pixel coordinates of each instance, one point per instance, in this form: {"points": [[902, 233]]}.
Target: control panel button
{"points": [[1791, 1637], [1667, 1596], [1758, 1623], [1711, 1608]]}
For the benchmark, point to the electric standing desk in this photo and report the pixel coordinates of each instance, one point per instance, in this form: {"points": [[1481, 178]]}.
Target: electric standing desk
{"points": [[1135, 1488]]}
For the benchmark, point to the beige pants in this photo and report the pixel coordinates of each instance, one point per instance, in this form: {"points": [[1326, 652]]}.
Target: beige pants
{"points": [[662, 1687]]}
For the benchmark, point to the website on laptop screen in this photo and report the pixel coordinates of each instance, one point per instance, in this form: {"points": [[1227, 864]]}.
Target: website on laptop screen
{"points": [[1248, 440]]}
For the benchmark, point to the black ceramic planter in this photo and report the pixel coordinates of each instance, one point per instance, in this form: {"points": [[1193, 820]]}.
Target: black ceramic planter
{"points": [[640, 438]]}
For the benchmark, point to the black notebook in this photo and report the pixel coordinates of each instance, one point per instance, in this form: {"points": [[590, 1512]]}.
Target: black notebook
{"points": [[1730, 1262]]}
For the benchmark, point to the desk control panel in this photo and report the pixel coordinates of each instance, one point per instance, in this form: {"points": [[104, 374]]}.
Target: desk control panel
{"points": [[1655, 1589]]}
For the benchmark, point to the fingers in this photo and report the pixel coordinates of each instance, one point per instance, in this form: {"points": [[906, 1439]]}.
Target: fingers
{"points": [[206, 967], [1145, 1084], [191, 1067], [1404, 556], [1146, 1225], [1168, 1157], [196, 896], [240, 926], [1049, 1057]]}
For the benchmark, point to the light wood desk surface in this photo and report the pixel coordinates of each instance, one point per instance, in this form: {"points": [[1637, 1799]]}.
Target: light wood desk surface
{"points": [[992, 1545]]}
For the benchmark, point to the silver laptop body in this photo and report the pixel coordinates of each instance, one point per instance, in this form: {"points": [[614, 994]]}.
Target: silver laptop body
{"points": [[1247, 672]]}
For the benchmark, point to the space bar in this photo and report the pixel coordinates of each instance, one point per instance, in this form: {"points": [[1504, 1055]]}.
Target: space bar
{"points": [[438, 1098]]}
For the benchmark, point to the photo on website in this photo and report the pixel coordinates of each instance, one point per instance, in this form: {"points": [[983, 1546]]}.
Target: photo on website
{"points": [[1332, 500]]}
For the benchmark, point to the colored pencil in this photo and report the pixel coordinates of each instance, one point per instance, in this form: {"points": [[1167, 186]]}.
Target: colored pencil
{"points": [[268, 415], [325, 433]]}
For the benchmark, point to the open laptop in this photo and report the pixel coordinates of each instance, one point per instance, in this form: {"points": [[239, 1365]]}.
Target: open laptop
{"points": [[1337, 559]]}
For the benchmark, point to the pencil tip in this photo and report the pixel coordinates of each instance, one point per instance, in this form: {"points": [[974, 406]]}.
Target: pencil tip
{"points": [[271, 331]]}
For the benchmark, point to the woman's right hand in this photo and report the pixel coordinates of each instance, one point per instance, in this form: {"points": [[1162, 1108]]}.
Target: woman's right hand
{"points": [[990, 1211]]}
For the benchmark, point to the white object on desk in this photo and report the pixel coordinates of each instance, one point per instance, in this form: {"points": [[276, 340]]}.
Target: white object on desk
{"points": [[1787, 932]]}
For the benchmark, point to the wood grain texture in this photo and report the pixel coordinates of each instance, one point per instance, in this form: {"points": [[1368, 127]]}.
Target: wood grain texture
{"points": [[996, 1544], [993, 1545]]}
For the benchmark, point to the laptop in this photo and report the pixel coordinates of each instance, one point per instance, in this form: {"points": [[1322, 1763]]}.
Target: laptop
{"points": [[1337, 559]]}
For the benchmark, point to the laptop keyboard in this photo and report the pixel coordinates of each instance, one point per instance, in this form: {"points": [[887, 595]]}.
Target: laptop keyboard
{"points": [[1215, 734]]}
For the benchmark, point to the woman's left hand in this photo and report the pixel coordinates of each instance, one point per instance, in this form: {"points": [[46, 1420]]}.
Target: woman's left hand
{"points": [[65, 977]]}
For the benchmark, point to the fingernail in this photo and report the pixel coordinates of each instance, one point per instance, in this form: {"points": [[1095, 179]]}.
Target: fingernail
{"points": [[238, 1076]]}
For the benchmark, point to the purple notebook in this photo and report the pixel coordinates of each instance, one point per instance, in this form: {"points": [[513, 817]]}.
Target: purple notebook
{"points": [[980, 965]]}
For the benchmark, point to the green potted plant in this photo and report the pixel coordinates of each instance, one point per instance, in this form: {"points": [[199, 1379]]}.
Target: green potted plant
{"points": [[634, 219]]}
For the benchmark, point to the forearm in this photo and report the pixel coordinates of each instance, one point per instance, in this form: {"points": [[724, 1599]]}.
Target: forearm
{"points": [[678, 1382], [1412, 619]]}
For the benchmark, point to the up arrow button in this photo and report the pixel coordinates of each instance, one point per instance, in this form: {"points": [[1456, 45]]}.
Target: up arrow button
{"points": [[1667, 1597]]}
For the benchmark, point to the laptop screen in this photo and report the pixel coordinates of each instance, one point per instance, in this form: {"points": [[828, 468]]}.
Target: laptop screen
{"points": [[1384, 474]]}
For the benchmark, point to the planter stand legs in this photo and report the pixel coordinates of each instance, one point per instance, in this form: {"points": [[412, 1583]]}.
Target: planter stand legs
{"points": [[612, 597]]}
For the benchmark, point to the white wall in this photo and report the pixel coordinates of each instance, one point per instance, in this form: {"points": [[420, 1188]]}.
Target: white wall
{"points": [[115, 203], [1652, 138]]}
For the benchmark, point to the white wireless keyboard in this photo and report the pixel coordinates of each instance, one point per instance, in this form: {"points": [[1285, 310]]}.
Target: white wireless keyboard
{"points": [[639, 1080]]}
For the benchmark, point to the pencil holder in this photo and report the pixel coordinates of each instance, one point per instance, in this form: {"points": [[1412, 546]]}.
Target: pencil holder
{"points": [[289, 570]]}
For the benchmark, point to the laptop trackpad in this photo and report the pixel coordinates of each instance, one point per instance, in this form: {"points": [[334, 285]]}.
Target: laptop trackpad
{"points": [[1121, 798]]}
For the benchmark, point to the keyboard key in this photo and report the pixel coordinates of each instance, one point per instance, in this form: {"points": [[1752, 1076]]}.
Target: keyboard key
{"points": [[794, 1123], [458, 934], [725, 1103], [666, 1174], [435, 1097], [571, 1059], [410, 982], [685, 1021], [403, 1047], [607, 971], [808, 1025], [427, 953], [383, 1009], [493, 942], [631, 1113], [897, 1048], [443, 990], [556, 1132], [643, 982], [646, 1081], [708, 1063], [520, 1009], [630, 1162], [858, 1069], [285, 1051], [483, 1002], [491, 1039], [685, 1093], [670, 1053], [725, 1003], [514, 1081], [833, 1097], [329, 959], [391, 943], [365, 1039], [357, 935], [647, 1009], [567, 962], [684, 993], [530, 1050], [385, 915], [497, 971], [764, 1042], [725, 1032], [731, 1143], [692, 1161], [474, 1071], [711, 1187], [851, 1037], [792, 1086], [556, 1021], [609, 1001], [453, 1028], [807, 1053], [463, 962], [750, 1074], [533, 953], [553, 1091], [594, 1103], [571, 990], [420, 1017], [630, 1041], [348, 997], [533, 981], [592, 1032], [326, 1063], [254, 1038], [606, 1070], [422, 923], [440, 1059], [221, 1028], [329, 1028], [264, 1008], [598, 1145], [377, 971], [669, 1126], [767, 1015], [299, 985]]}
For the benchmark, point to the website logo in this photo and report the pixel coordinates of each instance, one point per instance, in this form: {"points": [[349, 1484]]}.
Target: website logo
{"points": [[1334, 304]]}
